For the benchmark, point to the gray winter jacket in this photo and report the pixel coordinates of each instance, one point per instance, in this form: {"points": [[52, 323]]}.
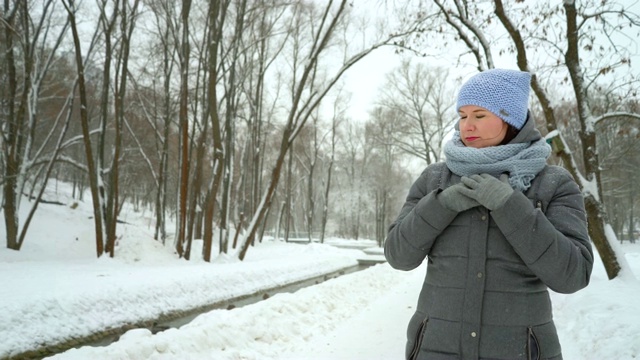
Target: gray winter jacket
{"points": [[485, 292]]}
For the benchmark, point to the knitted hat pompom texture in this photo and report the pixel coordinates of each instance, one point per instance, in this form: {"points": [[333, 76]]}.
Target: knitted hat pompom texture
{"points": [[503, 92]]}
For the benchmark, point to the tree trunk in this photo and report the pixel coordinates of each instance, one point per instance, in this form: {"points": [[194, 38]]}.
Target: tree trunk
{"points": [[195, 190], [632, 222], [287, 217], [238, 230], [113, 208], [10, 204], [11, 144], [268, 196], [84, 121], [161, 192], [596, 214], [184, 128], [106, 199], [216, 15], [325, 205], [310, 194]]}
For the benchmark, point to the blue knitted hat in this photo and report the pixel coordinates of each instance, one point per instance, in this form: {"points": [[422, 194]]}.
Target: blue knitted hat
{"points": [[503, 92]]}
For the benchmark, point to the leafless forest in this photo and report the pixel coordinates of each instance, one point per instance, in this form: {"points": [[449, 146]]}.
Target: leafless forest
{"points": [[228, 115]]}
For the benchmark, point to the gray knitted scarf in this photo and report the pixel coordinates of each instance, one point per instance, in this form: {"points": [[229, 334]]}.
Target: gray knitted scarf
{"points": [[522, 161]]}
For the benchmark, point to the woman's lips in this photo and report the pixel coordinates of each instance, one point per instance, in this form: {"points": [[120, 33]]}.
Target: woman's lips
{"points": [[471, 138]]}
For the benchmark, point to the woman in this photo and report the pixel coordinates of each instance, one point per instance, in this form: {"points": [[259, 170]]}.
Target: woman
{"points": [[498, 227]]}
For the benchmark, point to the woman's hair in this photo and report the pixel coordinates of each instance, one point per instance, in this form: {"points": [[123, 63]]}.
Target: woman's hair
{"points": [[512, 132]]}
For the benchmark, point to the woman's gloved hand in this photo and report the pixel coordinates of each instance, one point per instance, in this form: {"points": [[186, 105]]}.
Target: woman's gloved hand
{"points": [[487, 190], [454, 200]]}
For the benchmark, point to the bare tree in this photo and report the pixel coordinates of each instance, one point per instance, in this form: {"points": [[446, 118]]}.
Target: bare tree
{"points": [[184, 127], [385, 161], [618, 152], [309, 157], [597, 217], [422, 101], [28, 54], [107, 22], [162, 107], [353, 160], [71, 9], [105, 179], [338, 116], [127, 16]]}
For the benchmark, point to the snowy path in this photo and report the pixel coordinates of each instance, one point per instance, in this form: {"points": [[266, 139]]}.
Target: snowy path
{"points": [[357, 316], [381, 327]]}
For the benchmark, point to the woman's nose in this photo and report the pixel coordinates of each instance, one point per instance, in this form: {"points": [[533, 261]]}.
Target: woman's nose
{"points": [[465, 125]]}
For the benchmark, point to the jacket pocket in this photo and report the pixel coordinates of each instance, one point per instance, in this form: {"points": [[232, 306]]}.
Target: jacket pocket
{"points": [[418, 340], [533, 346]]}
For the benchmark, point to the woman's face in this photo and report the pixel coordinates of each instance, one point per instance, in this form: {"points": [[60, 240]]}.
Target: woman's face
{"points": [[480, 128]]}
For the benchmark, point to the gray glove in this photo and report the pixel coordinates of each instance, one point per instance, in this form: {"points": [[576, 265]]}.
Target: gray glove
{"points": [[454, 200], [487, 190]]}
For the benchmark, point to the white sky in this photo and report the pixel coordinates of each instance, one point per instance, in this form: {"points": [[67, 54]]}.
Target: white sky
{"points": [[54, 289], [365, 79]]}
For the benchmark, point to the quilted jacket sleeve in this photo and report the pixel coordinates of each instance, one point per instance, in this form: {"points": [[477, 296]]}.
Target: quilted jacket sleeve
{"points": [[421, 220], [555, 245]]}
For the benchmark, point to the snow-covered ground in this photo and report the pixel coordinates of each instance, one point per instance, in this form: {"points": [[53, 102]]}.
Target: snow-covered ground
{"points": [[54, 289]]}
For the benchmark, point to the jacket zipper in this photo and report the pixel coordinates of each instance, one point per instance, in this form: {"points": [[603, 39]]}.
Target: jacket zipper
{"points": [[416, 347], [532, 336]]}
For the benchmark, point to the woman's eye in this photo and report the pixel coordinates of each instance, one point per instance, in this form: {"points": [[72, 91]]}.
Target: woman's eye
{"points": [[479, 116]]}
